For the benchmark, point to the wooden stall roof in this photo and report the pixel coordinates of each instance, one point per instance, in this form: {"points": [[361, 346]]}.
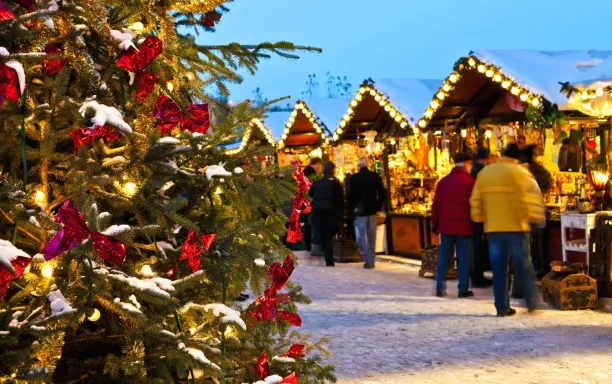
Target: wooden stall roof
{"points": [[494, 83], [306, 126], [386, 106], [256, 131]]}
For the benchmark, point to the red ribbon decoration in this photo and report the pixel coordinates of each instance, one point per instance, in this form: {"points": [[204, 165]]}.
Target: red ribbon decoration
{"points": [[9, 83], [191, 250], [169, 114], [266, 306], [20, 263], [295, 352], [300, 205], [262, 368], [5, 12], [52, 67], [291, 379], [87, 136], [134, 60], [210, 18], [146, 85], [75, 231]]}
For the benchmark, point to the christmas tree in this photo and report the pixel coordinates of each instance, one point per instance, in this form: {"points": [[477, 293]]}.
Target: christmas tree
{"points": [[126, 231]]}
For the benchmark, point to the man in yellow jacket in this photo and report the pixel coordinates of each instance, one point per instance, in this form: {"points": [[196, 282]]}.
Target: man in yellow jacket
{"points": [[507, 199]]}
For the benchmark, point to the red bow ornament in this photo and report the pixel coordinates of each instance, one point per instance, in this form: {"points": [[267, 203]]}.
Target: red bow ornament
{"points": [[52, 67], [87, 136], [262, 368], [280, 274], [5, 12], [295, 352], [12, 79], [291, 379], [300, 205], [169, 114], [210, 18], [146, 85], [75, 231], [13, 263], [191, 250], [135, 61]]}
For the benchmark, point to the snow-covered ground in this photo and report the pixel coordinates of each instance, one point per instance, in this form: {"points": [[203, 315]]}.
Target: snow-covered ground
{"points": [[386, 326]]}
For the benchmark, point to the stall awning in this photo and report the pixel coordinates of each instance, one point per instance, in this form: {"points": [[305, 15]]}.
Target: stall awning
{"points": [[256, 131], [491, 83], [591, 93], [385, 106]]}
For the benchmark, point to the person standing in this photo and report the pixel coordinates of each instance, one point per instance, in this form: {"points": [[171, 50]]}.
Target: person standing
{"points": [[507, 200], [450, 217], [327, 210], [366, 196], [481, 252], [314, 168]]}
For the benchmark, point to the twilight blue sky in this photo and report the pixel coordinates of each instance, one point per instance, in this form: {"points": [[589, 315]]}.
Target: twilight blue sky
{"points": [[400, 38]]}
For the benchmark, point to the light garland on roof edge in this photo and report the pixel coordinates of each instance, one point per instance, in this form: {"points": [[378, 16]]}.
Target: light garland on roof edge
{"points": [[300, 106], [378, 97], [491, 71], [247, 136]]}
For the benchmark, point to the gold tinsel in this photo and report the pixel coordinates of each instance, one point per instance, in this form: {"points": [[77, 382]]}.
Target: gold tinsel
{"points": [[199, 6]]}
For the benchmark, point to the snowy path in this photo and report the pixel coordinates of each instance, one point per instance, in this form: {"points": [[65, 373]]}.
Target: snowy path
{"points": [[385, 326]]}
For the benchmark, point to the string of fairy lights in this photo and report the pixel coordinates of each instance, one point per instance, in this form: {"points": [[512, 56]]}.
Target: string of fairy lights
{"points": [[380, 98], [585, 94], [301, 107], [255, 124], [491, 71]]}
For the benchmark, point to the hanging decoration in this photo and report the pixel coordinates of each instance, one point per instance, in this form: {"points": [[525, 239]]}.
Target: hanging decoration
{"points": [[19, 265], [280, 274], [169, 115], [12, 79], [87, 136], [5, 12], [192, 249], [135, 61], [53, 66], [295, 352], [291, 379], [262, 368], [75, 231], [146, 85], [210, 18], [300, 205]]}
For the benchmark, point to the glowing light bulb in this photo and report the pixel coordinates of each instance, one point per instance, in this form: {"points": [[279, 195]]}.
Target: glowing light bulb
{"points": [[95, 316], [398, 118], [392, 141], [377, 98], [524, 97], [404, 124], [488, 133], [585, 95], [497, 78], [472, 62], [416, 131], [137, 27], [350, 111], [599, 92], [335, 136], [505, 84], [382, 103], [392, 113], [422, 123], [354, 103], [453, 78], [515, 90], [359, 97], [489, 73], [434, 104], [346, 117], [39, 197], [362, 90], [446, 87], [464, 133], [429, 113], [228, 331], [218, 190], [190, 76], [47, 271], [146, 270], [387, 108], [170, 86], [535, 102], [130, 188], [343, 123], [482, 68], [372, 92], [440, 95]]}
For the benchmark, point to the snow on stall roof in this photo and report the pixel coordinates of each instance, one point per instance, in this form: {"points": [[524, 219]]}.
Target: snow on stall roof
{"points": [[329, 111], [541, 71], [598, 77], [410, 96]]}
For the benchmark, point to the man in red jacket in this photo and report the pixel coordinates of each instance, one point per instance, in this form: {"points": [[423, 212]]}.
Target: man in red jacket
{"points": [[450, 217]]}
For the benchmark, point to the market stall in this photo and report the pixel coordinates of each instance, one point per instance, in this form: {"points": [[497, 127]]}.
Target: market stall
{"points": [[377, 125], [256, 134], [305, 131], [495, 97]]}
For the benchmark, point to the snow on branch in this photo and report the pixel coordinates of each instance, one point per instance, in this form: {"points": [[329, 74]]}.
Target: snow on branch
{"points": [[8, 253], [230, 315], [125, 38], [116, 230], [156, 286], [198, 356], [127, 306], [59, 304], [105, 114]]}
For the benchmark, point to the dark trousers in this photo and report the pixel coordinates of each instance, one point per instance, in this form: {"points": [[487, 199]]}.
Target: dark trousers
{"points": [[463, 245], [481, 254], [307, 231], [537, 259], [324, 222]]}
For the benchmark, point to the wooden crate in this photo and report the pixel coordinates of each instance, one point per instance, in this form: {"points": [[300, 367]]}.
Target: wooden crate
{"points": [[346, 251], [429, 263], [570, 291]]}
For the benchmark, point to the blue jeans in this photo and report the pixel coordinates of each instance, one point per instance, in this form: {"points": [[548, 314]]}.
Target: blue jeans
{"points": [[465, 252], [365, 232], [503, 247]]}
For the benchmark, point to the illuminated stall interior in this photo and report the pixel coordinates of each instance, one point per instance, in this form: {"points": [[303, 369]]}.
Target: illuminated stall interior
{"points": [[377, 124], [495, 97], [256, 134], [305, 134]]}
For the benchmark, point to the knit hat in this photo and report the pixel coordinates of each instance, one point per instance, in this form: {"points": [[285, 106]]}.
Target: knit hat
{"points": [[462, 157]]}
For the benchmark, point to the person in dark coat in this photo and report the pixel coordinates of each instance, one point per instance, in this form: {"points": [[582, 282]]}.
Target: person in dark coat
{"points": [[481, 251], [366, 196], [315, 166], [327, 209], [450, 217]]}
